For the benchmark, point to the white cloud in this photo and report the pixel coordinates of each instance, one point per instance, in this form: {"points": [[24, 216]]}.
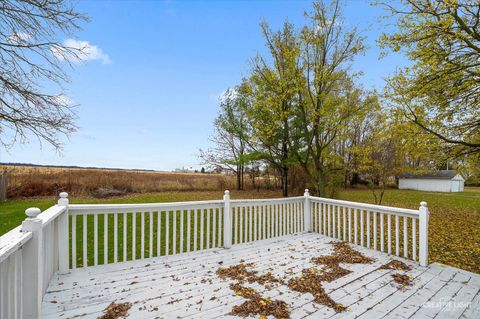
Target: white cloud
{"points": [[84, 52]]}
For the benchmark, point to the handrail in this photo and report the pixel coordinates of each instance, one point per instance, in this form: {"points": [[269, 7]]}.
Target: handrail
{"points": [[389, 209], [12, 241], [51, 213], [266, 200], [90, 207]]}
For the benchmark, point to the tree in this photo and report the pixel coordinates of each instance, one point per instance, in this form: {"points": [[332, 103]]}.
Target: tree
{"points": [[273, 87], [230, 137], [327, 50], [378, 156], [440, 92], [30, 60]]}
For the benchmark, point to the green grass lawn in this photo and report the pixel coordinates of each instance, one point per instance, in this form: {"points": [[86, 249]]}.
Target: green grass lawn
{"points": [[454, 236]]}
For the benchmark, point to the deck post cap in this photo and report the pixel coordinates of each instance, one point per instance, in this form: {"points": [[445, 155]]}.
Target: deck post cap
{"points": [[63, 195], [32, 212], [423, 204], [227, 192]]}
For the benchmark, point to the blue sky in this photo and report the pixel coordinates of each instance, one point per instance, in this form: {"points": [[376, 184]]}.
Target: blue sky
{"points": [[148, 96]]}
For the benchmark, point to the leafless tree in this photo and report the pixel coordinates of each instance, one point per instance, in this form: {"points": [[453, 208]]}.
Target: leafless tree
{"points": [[230, 150], [33, 102]]}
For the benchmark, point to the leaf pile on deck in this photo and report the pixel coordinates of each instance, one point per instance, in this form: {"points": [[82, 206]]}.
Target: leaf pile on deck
{"points": [[311, 279], [116, 310], [242, 274], [256, 305], [396, 265], [403, 280], [311, 282]]}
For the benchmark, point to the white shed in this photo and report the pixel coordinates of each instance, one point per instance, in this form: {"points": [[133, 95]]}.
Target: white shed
{"points": [[441, 181]]}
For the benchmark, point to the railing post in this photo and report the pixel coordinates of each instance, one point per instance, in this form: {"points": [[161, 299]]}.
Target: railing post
{"points": [[307, 212], [32, 269], [423, 236], [63, 241], [227, 222]]}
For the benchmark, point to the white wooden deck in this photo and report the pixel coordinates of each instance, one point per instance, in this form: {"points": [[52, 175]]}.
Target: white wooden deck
{"points": [[186, 285]]}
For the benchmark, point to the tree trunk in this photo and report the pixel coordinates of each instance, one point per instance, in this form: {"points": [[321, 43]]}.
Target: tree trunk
{"points": [[285, 181], [320, 185], [239, 178]]}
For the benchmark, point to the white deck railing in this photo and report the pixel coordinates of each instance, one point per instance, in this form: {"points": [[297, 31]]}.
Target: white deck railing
{"points": [[65, 237]]}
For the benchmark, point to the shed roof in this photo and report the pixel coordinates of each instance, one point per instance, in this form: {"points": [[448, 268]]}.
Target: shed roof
{"points": [[442, 174]]}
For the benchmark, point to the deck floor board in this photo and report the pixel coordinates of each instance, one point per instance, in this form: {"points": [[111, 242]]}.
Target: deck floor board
{"points": [[186, 285]]}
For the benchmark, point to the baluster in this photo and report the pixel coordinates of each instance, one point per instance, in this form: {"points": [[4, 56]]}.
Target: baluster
{"points": [[255, 223], [85, 259], [235, 225], [298, 218], [362, 233], [134, 236], [202, 224], [115, 238], [375, 230], [189, 221], [195, 228], [344, 223], [405, 237], [95, 240], [250, 223], [269, 221], [414, 239], [105, 238], [207, 230], [124, 236], [355, 225], [174, 232], [242, 226], [150, 239], [368, 229], [182, 216], [329, 220], [349, 224], [167, 232], [276, 219], [293, 212], [264, 225], [382, 233], [74, 241], [214, 230], [324, 213], [142, 234], [397, 236], [339, 232], [159, 232], [284, 219], [334, 217], [220, 226], [319, 219], [389, 233]]}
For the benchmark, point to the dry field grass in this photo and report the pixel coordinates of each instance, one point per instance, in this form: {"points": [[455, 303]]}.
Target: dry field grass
{"points": [[29, 181]]}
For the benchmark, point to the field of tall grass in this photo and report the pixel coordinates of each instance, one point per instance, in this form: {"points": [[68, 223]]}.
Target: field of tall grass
{"points": [[29, 181]]}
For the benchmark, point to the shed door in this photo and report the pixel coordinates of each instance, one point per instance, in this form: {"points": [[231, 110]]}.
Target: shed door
{"points": [[456, 186]]}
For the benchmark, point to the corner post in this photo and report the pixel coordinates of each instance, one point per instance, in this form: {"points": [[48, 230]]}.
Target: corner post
{"points": [[307, 212], [423, 236], [227, 221], [62, 239], [32, 270]]}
